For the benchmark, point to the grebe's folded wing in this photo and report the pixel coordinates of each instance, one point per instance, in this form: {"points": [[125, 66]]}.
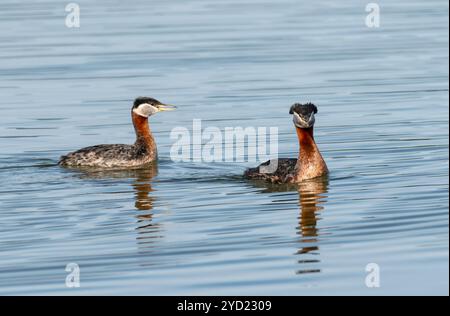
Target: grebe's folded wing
{"points": [[285, 170], [99, 155]]}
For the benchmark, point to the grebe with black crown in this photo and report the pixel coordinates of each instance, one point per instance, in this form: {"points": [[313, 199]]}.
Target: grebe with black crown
{"points": [[310, 163], [142, 152]]}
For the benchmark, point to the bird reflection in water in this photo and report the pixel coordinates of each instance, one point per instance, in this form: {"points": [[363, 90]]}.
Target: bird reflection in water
{"points": [[312, 196], [147, 230]]}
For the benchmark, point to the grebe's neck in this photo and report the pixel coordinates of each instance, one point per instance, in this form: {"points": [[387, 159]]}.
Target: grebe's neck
{"points": [[144, 138], [310, 161]]}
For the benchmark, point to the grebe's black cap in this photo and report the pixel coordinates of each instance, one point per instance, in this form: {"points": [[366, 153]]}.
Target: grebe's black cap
{"points": [[143, 100], [303, 109]]}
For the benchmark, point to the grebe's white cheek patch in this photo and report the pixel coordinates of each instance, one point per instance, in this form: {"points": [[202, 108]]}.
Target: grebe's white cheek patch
{"points": [[145, 110], [298, 120], [312, 119]]}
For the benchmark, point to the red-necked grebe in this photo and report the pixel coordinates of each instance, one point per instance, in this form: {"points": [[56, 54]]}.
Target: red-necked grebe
{"points": [[310, 163], [123, 156]]}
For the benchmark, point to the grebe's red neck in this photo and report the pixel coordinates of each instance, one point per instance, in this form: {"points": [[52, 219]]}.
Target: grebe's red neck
{"points": [[310, 161], [305, 136], [144, 137]]}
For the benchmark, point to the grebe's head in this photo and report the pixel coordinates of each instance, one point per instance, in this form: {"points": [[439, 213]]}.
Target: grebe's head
{"points": [[304, 114], [145, 107]]}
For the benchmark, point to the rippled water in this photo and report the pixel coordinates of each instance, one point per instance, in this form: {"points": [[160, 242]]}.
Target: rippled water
{"points": [[199, 228]]}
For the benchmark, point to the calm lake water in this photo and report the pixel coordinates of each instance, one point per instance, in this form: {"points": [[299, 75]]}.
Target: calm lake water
{"points": [[199, 228]]}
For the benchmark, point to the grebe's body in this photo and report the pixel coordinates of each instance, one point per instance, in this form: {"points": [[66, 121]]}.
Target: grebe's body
{"points": [[285, 168], [310, 163], [142, 152]]}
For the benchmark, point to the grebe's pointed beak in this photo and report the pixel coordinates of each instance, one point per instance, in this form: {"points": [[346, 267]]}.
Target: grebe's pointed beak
{"points": [[166, 107]]}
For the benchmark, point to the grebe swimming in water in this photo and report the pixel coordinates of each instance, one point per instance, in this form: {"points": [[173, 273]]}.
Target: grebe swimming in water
{"points": [[310, 163], [123, 156]]}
